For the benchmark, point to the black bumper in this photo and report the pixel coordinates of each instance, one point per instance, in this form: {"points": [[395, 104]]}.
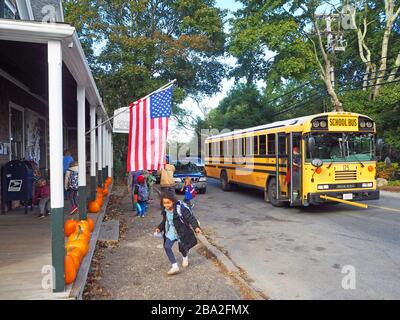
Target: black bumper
{"points": [[358, 195]]}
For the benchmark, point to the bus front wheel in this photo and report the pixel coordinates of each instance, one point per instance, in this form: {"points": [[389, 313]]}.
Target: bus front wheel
{"points": [[272, 193], [225, 185]]}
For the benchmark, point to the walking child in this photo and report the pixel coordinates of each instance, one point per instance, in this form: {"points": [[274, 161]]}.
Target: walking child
{"points": [[143, 196], [177, 226], [190, 191], [71, 186], [42, 194]]}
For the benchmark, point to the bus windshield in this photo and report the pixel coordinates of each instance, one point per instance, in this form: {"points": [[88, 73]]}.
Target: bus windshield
{"points": [[339, 147]]}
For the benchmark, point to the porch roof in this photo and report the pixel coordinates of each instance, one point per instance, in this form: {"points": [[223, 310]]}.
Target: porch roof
{"points": [[73, 54]]}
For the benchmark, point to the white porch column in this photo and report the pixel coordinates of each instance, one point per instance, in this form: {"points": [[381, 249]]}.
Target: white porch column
{"points": [[100, 152], [104, 142], [54, 53], [110, 151], [92, 152], [81, 111]]}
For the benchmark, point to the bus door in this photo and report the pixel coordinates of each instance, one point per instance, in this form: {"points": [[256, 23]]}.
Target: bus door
{"points": [[294, 168], [281, 165]]}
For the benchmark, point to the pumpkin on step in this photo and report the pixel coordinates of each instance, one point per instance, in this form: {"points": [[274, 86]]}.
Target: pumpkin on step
{"points": [[94, 207], [85, 226], [75, 260], [70, 227], [70, 270], [76, 252], [80, 244], [79, 234], [91, 224]]}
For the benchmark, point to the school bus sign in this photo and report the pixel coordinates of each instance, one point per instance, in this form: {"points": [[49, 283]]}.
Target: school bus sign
{"points": [[343, 124]]}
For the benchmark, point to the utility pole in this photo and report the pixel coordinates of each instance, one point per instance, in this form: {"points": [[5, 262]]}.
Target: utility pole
{"points": [[335, 39]]}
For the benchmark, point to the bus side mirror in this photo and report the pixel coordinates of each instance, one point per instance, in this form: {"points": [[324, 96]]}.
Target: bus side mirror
{"points": [[380, 145], [311, 144]]}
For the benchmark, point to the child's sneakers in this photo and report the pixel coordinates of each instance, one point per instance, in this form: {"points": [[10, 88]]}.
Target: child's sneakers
{"points": [[185, 262], [173, 271], [74, 210]]}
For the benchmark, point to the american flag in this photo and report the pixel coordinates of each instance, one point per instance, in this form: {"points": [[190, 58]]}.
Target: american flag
{"points": [[148, 131]]}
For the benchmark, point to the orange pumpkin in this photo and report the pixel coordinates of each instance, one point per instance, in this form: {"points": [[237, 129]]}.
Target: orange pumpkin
{"points": [[70, 270], [99, 201], [76, 252], [70, 227], [80, 244], [75, 260], [94, 207], [91, 224], [84, 225], [80, 234]]}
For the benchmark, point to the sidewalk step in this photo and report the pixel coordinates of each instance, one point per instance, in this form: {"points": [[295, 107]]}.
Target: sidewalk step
{"points": [[109, 231]]}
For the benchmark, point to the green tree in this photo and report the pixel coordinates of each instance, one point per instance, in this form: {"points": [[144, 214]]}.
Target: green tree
{"points": [[136, 46], [292, 30]]}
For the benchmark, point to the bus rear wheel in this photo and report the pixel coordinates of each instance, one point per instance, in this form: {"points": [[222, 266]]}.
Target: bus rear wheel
{"points": [[225, 185], [272, 193]]}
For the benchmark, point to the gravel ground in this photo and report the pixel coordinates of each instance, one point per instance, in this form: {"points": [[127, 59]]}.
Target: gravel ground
{"points": [[136, 267]]}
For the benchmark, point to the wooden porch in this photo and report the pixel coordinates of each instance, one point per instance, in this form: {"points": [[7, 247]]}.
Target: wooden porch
{"points": [[25, 248]]}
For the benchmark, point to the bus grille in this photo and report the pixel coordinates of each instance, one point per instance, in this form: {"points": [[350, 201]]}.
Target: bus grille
{"points": [[346, 175]]}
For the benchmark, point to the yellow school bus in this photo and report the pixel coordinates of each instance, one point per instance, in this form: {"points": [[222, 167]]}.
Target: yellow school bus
{"points": [[309, 160]]}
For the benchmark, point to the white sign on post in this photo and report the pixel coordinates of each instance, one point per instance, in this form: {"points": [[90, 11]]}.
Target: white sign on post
{"points": [[121, 120]]}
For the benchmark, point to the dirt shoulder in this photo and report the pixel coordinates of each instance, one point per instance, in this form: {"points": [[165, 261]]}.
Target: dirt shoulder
{"points": [[135, 268]]}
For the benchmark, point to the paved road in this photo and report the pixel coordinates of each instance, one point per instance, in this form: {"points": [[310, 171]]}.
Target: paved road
{"points": [[293, 253]]}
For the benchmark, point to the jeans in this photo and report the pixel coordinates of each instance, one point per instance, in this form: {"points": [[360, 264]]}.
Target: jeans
{"points": [[72, 197], [170, 254], [44, 205], [142, 205]]}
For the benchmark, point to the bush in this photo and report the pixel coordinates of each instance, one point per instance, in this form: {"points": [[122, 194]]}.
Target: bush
{"points": [[395, 183], [387, 172]]}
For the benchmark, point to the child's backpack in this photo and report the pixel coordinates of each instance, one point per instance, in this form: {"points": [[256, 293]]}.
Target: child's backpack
{"points": [[179, 205], [143, 194], [190, 192], [73, 182]]}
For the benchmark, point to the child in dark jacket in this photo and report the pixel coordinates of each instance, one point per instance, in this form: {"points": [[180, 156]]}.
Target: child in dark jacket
{"points": [[143, 196], [42, 193], [177, 226]]}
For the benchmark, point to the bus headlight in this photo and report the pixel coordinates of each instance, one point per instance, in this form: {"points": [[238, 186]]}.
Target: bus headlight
{"points": [[323, 187], [315, 124], [369, 124], [362, 124], [367, 185], [323, 124]]}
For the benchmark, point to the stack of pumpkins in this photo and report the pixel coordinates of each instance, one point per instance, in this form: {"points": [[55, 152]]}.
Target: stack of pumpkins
{"points": [[78, 233], [95, 205]]}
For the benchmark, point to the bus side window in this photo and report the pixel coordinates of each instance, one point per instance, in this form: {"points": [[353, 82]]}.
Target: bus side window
{"points": [[263, 145], [249, 146], [243, 146], [282, 145], [271, 144], [221, 148], [255, 145]]}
